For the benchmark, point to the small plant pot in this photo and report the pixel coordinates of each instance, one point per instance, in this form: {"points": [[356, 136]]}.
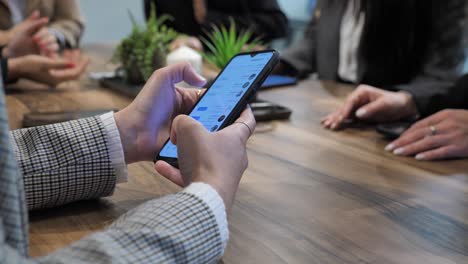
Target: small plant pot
{"points": [[133, 73], [159, 60]]}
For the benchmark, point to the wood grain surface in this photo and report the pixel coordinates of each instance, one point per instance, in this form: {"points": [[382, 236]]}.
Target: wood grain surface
{"points": [[308, 196]]}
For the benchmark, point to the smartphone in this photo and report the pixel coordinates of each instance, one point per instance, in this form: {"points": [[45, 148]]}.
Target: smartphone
{"points": [[393, 130], [228, 94], [278, 81]]}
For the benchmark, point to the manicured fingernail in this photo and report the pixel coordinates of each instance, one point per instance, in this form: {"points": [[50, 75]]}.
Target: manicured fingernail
{"points": [[361, 112], [334, 126], [398, 151], [420, 157], [389, 147]]}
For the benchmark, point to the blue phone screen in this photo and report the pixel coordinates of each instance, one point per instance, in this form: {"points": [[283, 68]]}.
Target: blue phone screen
{"points": [[224, 94]]}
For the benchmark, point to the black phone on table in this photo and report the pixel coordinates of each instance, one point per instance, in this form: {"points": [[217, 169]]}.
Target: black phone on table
{"points": [[275, 80], [228, 94], [393, 130]]}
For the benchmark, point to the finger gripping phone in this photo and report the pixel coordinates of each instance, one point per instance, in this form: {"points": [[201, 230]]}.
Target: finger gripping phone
{"points": [[227, 95]]}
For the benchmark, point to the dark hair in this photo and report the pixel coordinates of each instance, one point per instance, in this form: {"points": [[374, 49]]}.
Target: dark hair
{"points": [[398, 34]]}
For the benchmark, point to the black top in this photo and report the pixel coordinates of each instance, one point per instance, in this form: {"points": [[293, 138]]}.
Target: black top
{"points": [[455, 97], [423, 59], [263, 17]]}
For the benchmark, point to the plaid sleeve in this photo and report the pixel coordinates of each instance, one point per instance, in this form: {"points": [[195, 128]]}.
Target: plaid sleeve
{"points": [[64, 162], [179, 228]]}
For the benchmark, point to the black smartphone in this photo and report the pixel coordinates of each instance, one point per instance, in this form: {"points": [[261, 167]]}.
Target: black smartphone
{"points": [[228, 94], [278, 81], [393, 130]]}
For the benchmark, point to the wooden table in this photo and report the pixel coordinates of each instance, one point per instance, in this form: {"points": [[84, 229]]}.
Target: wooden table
{"points": [[309, 195]]}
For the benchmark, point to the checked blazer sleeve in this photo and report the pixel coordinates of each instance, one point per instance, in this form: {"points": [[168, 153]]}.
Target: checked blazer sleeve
{"points": [[179, 228], [69, 161], [64, 162]]}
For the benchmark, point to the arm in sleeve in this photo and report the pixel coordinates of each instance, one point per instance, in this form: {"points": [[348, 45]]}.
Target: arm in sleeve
{"points": [[432, 88], [67, 22], [181, 228], [264, 18], [65, 162]]}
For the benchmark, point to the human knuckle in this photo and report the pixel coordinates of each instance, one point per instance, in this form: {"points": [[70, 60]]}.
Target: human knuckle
{"points": [[185, 64], [246, 162], [159, 72], [360, 88], [446, 112]]}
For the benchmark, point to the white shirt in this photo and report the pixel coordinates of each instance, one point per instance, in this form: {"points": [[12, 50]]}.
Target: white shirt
{"points": [[352, 25]]}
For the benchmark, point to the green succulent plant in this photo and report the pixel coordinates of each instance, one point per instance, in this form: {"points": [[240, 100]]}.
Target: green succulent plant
{"points": [[223, 43], [144, 50]]}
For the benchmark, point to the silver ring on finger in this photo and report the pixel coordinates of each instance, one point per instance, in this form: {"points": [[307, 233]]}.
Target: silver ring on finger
{"points": [[248, 127], [433, 130]]}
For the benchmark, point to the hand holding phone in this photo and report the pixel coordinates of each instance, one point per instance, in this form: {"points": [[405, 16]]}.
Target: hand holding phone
{"points": [[228, 95], [218, 159]]}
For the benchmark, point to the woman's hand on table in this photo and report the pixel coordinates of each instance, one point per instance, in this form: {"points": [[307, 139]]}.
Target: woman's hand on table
{"points": [[440, 136], [372, 104]]}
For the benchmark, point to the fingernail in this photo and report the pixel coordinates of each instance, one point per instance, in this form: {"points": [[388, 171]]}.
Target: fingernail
{"points": [[389, 147], [71, 65], [361, 112], [420, 157], [398, 151], [334, 126]]}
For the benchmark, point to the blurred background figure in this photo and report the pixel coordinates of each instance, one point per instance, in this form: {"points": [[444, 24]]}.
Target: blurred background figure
{"points": [[34, 40], [263, 17], [65, 23], [409, 45]]}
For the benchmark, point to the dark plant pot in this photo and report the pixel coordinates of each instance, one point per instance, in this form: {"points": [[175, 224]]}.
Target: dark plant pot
{"points": [[133, 73], [159, 60]]}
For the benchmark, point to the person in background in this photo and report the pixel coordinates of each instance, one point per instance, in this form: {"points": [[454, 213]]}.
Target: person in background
{"points": [[20, 57], [48, 166], [442, 134], [63, 30], [412, 46], [195, 17]]}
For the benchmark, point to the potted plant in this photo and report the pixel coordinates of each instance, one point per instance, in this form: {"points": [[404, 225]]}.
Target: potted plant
{"points": [[145, 49], [223, 43]]}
